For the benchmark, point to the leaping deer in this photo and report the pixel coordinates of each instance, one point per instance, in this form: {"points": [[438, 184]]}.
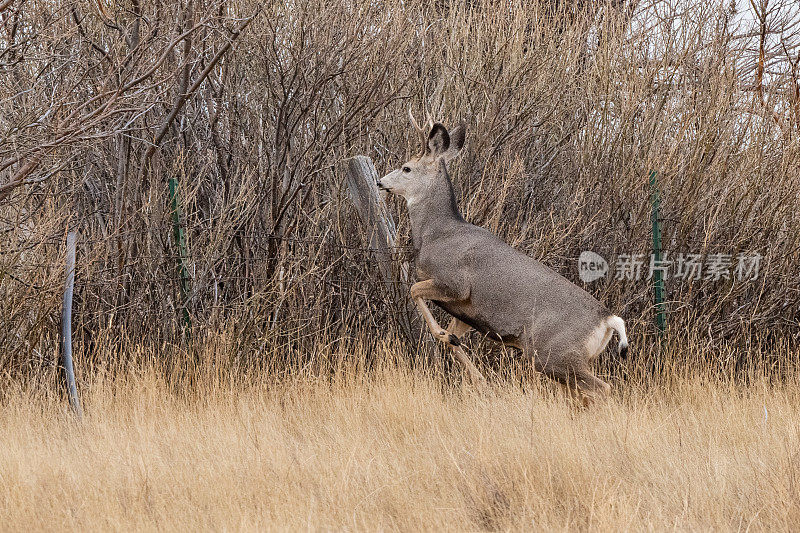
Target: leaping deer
{"points": [[486, 284]]}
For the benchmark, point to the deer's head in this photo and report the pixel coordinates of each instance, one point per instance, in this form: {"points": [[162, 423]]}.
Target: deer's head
{"points": [[416, 176]]}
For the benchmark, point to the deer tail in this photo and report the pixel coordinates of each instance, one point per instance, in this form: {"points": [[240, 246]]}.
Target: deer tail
{"points": [[617, 324]]}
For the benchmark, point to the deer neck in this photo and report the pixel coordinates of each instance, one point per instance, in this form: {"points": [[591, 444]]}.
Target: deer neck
{"points": [[435, 213]]}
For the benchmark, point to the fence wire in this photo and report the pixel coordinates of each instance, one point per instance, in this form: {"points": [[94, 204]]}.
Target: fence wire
{"points": [[225, 282]]}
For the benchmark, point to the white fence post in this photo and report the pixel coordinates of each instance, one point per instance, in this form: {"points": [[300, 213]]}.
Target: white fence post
{"points": [[66, 329]]}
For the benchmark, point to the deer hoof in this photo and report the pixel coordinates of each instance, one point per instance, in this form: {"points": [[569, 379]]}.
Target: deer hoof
{"points": [[453, 340]]}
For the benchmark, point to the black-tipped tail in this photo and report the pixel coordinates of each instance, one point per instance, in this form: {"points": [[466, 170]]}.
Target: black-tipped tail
{"points": [[618, 325]]}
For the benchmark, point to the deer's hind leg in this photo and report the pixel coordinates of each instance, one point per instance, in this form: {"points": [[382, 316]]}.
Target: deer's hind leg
{"points": [[590, 387], [572, 371]]}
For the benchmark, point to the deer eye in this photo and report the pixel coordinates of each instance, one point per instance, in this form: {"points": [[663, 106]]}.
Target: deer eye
{"points": [[406, 169]]}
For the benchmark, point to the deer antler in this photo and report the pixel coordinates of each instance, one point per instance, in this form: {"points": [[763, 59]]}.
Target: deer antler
{"points": [[423, 130], [414, 121]]}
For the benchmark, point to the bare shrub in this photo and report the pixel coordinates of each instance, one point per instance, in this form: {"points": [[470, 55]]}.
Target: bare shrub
{"points": [[254, 111]]}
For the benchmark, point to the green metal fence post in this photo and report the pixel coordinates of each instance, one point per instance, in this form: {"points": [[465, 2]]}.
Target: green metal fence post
{"points": [[180, 242], [658, 274]]}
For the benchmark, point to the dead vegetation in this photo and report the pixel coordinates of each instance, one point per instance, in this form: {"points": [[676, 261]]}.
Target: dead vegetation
{"points": [[253, 110], [392, 450], [296, 400]]}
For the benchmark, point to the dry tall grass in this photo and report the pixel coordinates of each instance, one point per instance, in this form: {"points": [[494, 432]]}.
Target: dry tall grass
{"points": [[394, 449]]}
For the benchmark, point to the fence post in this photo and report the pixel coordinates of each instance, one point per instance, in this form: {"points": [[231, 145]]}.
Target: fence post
{"points": [[658, 274], [381, 235], [66, 329], [180, 242]]}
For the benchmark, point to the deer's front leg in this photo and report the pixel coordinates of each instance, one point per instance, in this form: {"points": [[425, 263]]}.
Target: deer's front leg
{"points": [[457, 327], [427, 290]]}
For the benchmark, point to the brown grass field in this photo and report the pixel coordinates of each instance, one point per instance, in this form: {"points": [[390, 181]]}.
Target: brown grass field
{"points": [[395, 449]]}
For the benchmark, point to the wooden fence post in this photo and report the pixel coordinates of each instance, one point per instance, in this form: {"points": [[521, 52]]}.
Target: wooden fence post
{"points": [[66, 330], [362, 187]]}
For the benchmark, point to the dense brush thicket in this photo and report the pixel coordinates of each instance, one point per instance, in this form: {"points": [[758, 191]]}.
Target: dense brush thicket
{"points": [[254, 112]]}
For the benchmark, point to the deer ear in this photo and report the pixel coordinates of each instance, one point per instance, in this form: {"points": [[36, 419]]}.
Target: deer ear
{"points": [[457, 137], [438, 140]]}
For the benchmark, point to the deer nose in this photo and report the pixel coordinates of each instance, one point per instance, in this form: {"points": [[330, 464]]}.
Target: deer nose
{"points": [[380, 185]]}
